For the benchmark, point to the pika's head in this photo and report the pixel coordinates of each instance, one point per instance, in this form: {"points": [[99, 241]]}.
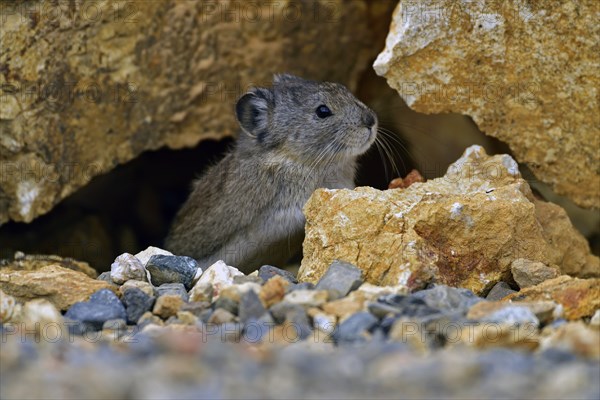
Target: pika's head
{"points": [[312, 121]]}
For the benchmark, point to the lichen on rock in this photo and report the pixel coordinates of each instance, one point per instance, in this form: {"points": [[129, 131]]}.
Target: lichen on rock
{"points": [[463, 229]]}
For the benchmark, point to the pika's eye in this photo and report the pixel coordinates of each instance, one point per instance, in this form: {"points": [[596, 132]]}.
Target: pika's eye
{"points": [[323, 111]]}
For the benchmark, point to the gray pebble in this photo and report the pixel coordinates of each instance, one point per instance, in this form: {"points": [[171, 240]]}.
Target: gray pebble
{"points": [[103, 305], [250, 307], [172, 269], [266, 272], [173, 288], [499, 291], [136, 303], [341, 277], [354, 328]]}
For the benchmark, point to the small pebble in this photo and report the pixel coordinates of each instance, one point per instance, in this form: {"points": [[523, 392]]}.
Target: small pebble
{"points": [[273, 291], [144, 256], [266, 272], [149, 319], [341, 277], [201, 292], [499, 291], [142, 285], [250, 307], [280, 311], [172, 269], [220, 275], [126, 267], [173, 288], [103, 305], [136, 303], [354, 328], [528, 273], [167, 305]]}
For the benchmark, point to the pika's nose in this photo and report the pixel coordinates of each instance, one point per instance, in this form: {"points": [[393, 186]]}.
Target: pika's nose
{"points": [[368, 120]]}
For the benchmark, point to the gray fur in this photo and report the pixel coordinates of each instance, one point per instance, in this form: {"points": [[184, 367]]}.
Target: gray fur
{"points": [[247, 209]]}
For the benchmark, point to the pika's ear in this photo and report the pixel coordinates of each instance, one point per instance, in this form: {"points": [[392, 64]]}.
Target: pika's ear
{"points": [[252, 111]]}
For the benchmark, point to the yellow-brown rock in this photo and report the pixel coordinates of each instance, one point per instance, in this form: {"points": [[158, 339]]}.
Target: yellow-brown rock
{"points": [[60, 286], [575, 337], [526, 72], [463, 229], [85, 87], [34, 262], [579, 297]]}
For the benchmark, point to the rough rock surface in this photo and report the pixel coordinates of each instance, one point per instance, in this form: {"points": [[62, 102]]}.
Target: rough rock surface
{"points": [[526, 72], [60, 286], [34, 262], [579, 297], [463, 229], [529, 273], [167, 73]]}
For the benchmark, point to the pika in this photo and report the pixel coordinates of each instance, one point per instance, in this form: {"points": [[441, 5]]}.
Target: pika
{"points": [[297, 136]]}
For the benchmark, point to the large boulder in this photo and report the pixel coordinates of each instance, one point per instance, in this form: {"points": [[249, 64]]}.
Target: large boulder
{"points": [[463, 229], [526, 72], [87, 86]]}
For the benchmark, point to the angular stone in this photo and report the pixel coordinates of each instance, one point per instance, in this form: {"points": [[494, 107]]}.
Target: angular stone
{"points": [[137, 303], [60, 286], [529, 273], [342, 277], [167, 305], [266, 272], [145, 255], [177, 289], [219, 275], [355, 328], [250, 307], [579, 297], [146, 85], [172, 269], [143, 286], [499, 291], [103, 305], [462, 230], [474, 58], [273, 291], [201, 292], [126, 267]]}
